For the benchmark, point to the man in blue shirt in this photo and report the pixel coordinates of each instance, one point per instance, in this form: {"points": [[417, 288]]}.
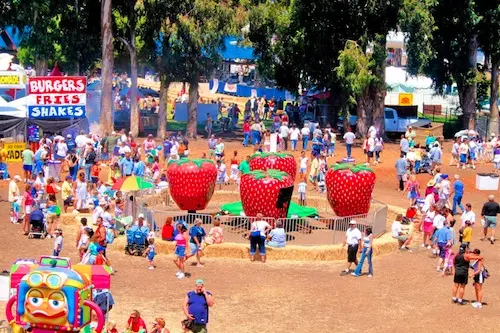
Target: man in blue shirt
{"points": [[139, 168], [458, 190], [70, 143], [197, 234], [401, 167], [196, 306], [126, 165]]}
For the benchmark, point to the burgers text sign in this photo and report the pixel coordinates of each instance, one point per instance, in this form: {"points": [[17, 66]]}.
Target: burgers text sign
{"points": [[57, 97]]}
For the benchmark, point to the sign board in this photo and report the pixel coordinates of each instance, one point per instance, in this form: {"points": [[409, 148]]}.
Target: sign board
{"points": [[14, 151], [405, 99], [12, 80], [57, 97]]}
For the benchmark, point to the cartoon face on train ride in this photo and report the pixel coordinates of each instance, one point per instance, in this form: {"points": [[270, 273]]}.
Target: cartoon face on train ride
{"points": [[49, 297]]}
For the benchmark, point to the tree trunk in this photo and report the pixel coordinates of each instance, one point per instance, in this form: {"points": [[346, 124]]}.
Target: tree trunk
{"points": [[364, 112], [41, 67], [467, 92], [192, 108], [106, 117], [134, 108], [162, 113], [486, 64], [379, 90], [493, 127], [77, 68]]}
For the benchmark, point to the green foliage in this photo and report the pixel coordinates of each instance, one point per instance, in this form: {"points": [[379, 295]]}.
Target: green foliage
{"points": [[354, 72], [56, 30], [440, 36], [483, 87], [418, 23]]}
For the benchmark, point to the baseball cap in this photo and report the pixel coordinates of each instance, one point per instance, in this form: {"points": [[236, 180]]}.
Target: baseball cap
{"points": [[69, 136], [140, 216], [69, 177], [199, 281], [352, 222], [17, 177]]}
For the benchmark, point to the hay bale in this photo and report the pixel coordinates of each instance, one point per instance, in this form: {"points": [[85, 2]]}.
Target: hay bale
{"points": [[72, 219], [381, 245]]}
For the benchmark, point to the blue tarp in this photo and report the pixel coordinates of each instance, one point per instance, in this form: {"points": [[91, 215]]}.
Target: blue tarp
{"points": [[233, 51], [14, 34], [246, 91]]}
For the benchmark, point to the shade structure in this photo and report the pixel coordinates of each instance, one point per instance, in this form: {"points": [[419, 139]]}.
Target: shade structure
{"points": [[132, 183], [235, 208]]}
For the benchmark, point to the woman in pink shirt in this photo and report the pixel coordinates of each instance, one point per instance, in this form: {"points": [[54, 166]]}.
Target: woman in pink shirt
{"points": [[27, 204]]}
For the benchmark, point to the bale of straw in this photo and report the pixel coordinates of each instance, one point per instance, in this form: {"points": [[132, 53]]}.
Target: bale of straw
{"points": [[73, 219], [291, 252]]}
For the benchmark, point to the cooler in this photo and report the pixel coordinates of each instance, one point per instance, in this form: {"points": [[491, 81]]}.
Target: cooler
{"points": [[487, 181], [54, 169]]}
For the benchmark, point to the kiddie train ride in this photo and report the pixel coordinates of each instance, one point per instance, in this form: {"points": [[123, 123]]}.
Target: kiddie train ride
{"points": [[55, 296]]}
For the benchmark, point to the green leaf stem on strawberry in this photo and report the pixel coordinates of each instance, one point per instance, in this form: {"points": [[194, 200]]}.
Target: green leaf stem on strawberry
{"points": [[280, 161]]}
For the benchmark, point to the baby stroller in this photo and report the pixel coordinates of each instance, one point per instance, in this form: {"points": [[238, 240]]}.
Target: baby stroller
{"points": [[38, 223], [425, 165], [136, 242]]}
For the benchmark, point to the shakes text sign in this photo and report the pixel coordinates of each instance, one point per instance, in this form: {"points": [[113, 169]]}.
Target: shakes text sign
{"points": [[57, 97]]}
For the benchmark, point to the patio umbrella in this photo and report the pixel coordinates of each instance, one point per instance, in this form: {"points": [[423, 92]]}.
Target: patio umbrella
{"points": [[132, 183]]}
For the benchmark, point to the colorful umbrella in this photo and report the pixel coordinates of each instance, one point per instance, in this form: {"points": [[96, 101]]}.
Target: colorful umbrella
{"points": [[132, 183]]}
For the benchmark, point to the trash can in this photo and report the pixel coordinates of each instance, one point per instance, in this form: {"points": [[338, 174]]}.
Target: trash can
{"points": [[487, 181], [54, 169]]}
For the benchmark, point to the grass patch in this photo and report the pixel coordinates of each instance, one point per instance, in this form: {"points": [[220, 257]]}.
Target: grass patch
{"points": [[440, 118]]}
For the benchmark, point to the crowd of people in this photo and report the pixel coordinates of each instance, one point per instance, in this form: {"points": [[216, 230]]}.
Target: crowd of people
{"points": [[430, 216]]}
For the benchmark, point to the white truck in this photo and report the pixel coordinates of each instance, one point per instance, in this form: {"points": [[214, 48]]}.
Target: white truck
{"points": [[395, 122]]}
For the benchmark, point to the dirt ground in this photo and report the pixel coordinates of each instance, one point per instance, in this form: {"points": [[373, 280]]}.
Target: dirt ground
{"points": [[405, 294]]}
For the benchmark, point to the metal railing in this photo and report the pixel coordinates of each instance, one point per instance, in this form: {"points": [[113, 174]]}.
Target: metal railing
{"points": [[303, 231]]}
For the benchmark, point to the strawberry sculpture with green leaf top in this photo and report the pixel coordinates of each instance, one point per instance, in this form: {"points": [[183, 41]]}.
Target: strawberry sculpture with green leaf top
{"points": [[191, 182], [278, 161], [349, 188], [259, 191]]}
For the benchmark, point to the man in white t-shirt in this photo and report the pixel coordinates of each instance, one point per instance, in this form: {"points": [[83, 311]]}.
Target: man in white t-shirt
{"points": [[349, 138], [81, 140], [468, 215], [284, 132], [305, 132], [294, 136], [353, 240], [403, 237]]}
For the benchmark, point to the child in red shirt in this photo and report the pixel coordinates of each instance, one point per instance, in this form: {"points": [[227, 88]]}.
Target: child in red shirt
{"points": [[94, 173]]}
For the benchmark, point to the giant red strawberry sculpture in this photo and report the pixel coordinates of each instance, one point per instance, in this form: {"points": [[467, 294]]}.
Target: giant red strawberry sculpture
{"points": [[191, 182], [259, 191], [349, 189], [277, 161]]}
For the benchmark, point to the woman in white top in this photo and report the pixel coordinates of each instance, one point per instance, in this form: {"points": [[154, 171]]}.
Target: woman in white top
{"points": [[257, 236], [81, 192], [61, 149]]}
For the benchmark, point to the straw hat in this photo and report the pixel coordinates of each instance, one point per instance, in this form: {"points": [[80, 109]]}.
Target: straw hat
{"points": [[431, 183]]}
